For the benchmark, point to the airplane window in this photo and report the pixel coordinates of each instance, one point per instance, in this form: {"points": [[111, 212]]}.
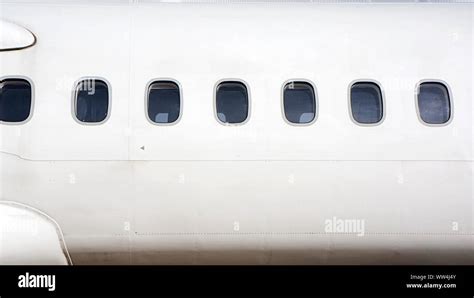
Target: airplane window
{"points": [[434, 103], [299, 102], [366, 103], [92, 101], [232, 102], [164, 102], [15, 100]]}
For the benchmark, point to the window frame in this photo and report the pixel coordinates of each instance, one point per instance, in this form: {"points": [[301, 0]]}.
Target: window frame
{"points": [[147, 88], [249, 110], [74, 99], [316, 101], [382, 94], [32, 105], [451, 104]]}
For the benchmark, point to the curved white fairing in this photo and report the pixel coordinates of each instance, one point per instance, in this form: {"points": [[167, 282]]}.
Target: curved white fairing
{"points": [[28, 237], [13, 36]]}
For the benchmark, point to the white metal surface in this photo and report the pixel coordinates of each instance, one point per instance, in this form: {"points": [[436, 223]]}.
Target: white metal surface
{"points": [[30, 237], [13, 36], [128, 191]]}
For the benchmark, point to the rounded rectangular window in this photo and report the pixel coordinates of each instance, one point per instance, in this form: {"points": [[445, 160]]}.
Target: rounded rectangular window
{"points": [[15, 100], [434, 104], [366, 102], [91, 101], [299, 102], [232, 102], [163, 102]]}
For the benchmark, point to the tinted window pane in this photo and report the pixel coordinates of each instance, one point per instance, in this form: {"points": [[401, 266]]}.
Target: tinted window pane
{"points": [[434, 103], [15, 100], [232, 102], [163, 102], [299, 102], [92, 101], [366, 102]]}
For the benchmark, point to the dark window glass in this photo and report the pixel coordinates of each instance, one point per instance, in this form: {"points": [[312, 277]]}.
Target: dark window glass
{"points": [[434, 103], [366, 103], [92, 101], [15, 100], [299, 102], [232, 102], [163, 102]]}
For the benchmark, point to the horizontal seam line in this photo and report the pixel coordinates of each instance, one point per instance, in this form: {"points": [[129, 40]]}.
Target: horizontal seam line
{"points": [[296, 233], [236, 160]]}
